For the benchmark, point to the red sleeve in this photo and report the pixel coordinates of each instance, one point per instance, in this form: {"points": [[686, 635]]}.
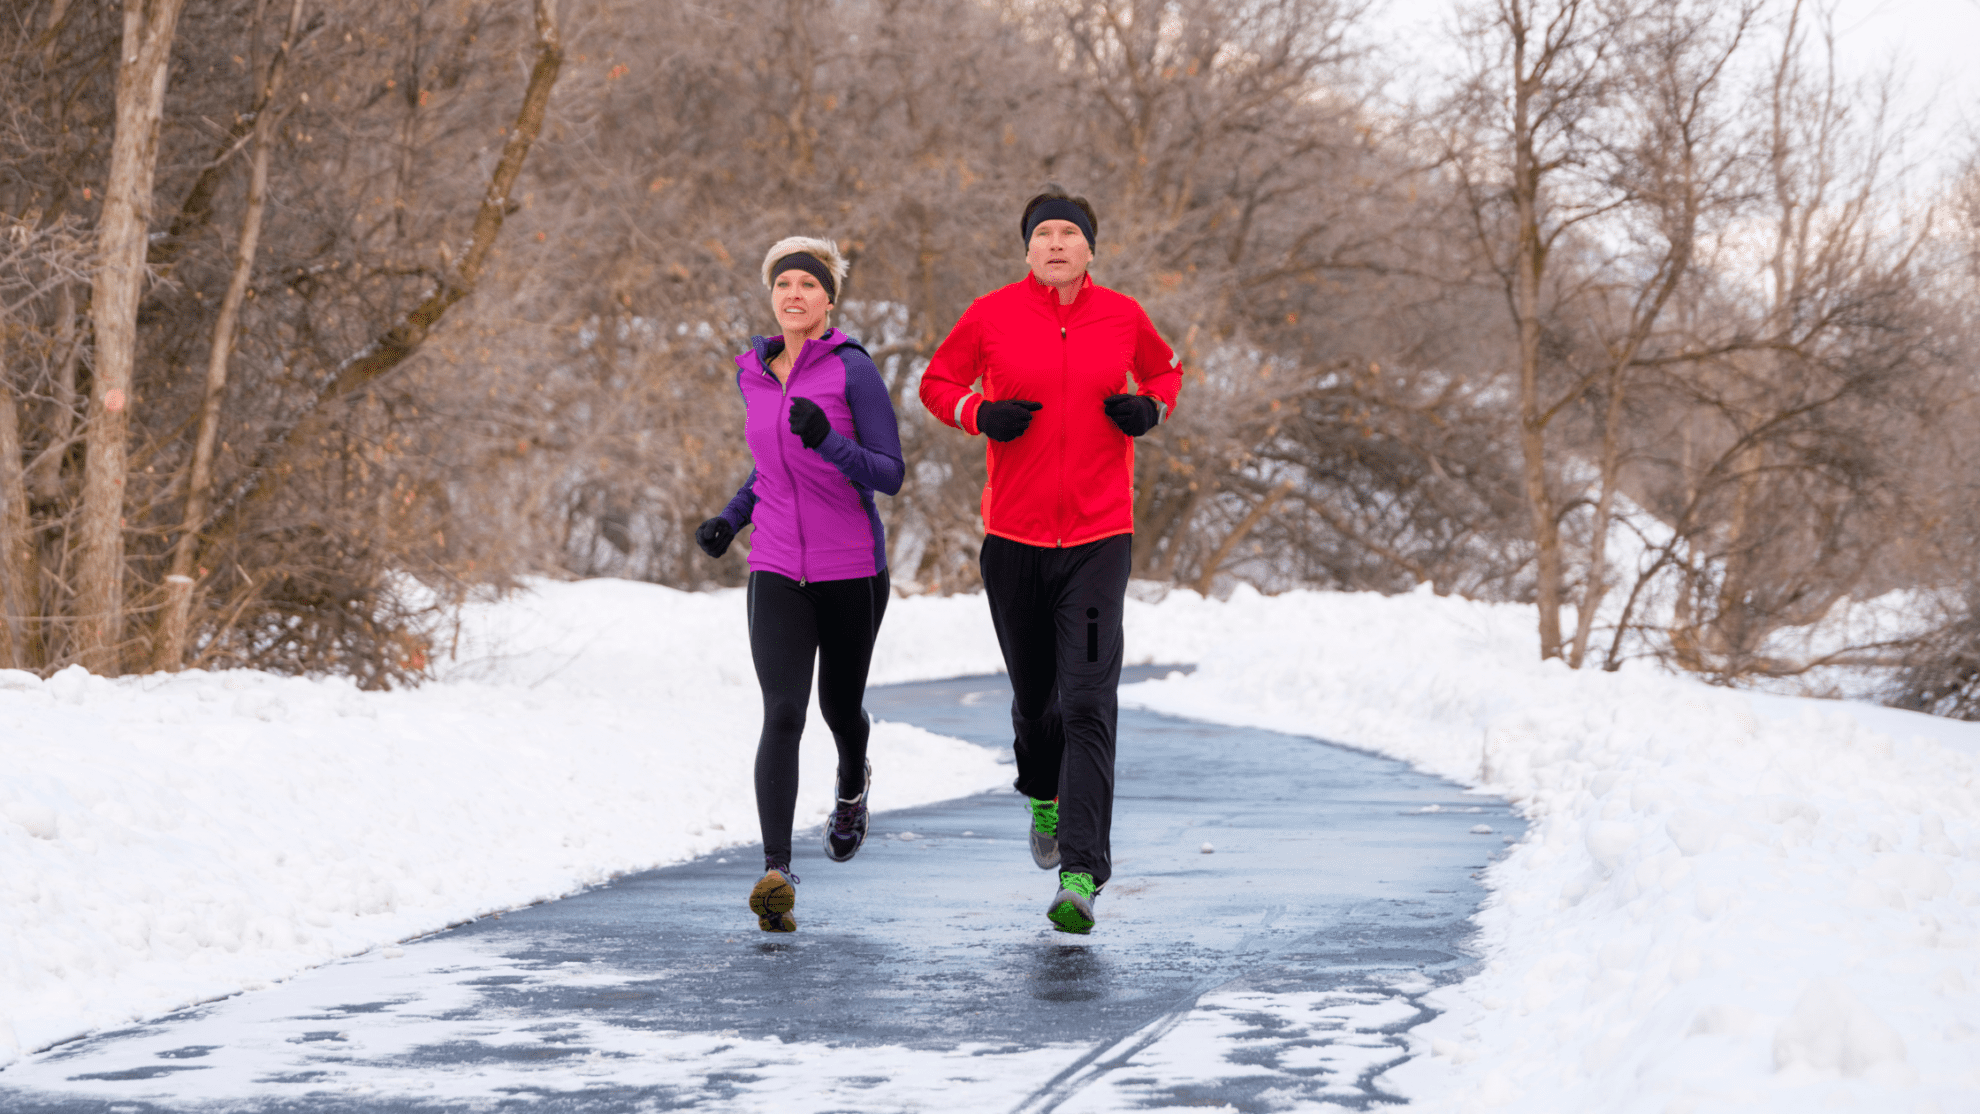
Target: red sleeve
{"points": [[948, 386], [1157, 369]]}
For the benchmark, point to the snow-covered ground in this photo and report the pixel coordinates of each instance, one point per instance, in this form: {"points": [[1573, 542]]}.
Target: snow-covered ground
{"points": [[1725, 902]]}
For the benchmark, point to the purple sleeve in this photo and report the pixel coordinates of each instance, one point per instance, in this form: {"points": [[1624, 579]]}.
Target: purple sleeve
{"points": [[875, 459], [743, 506]]}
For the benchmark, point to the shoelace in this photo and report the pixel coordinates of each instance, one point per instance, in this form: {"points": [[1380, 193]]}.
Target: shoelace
{"points": [[845, 815], [1045, 817]]}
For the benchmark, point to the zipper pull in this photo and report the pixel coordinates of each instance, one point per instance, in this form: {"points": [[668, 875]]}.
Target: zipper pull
{"points": [[1062, 332]]}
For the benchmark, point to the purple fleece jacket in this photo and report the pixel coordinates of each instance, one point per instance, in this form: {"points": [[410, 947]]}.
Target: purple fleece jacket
{"points": [[813, 508]]}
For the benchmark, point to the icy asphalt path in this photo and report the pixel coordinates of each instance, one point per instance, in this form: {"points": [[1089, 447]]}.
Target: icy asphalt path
{"points": [[1277, 972]]}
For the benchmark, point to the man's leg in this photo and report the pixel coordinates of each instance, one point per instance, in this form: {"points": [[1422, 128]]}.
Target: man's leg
{"points": [[1093, 588], [1021, 606]]}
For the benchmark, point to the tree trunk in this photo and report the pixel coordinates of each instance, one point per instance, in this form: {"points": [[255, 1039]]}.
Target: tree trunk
{"points": [[170, 651], [16, 538], [1529, 265], [122, 239]]}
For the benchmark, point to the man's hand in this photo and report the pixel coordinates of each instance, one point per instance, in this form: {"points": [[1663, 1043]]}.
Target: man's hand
{"points": [[1135, 414], [1005, 420]]}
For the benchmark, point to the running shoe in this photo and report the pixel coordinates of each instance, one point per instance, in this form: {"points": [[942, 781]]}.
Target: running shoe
{"points": [[1072, 906], [1044, 832], [845, 829], [773, 897]]}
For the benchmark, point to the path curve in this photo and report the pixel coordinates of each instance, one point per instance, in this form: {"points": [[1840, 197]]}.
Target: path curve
{"points": [[1286, 964]]}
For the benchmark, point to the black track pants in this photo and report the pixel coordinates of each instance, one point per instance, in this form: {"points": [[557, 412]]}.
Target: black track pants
{"points": [[1058, 619], [790, 625]]}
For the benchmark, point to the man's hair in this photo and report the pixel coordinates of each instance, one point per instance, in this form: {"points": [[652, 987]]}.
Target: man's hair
{"points": [[1056, 192]]}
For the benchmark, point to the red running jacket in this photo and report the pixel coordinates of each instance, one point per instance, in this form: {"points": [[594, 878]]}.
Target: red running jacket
{"points": [[1069, 478]]}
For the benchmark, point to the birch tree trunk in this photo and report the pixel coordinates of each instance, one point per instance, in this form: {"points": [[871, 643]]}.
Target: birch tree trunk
{"points": [[122, 237]]}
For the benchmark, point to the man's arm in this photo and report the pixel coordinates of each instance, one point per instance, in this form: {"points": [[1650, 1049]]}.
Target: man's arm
{"points": [[948, 386]]}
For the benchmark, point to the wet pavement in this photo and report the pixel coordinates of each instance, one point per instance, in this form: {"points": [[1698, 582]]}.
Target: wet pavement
{"points": [[1283, 963]]}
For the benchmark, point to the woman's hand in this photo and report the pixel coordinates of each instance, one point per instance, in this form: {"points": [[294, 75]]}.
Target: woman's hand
{"points": [[808, 421], [714, 535]]}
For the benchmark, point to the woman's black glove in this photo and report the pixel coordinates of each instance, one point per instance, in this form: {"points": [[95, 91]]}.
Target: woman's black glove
{"points": [[1003, 421], [809, 422], [1135, 414], [714, 535]]}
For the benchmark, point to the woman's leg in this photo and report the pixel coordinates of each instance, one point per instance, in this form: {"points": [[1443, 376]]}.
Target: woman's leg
{"points": [[849, 614], [783, 641]]}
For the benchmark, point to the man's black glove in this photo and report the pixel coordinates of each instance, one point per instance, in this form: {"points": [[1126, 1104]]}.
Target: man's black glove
{"points": [[809, 422], [1135, 414], [714, 535], [1003, 421]]}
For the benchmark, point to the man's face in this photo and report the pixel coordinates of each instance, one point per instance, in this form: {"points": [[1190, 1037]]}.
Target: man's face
{"points": [[1058, 253]]}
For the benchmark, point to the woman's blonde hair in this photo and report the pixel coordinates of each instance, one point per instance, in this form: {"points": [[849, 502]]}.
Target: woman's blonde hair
{"points": [[825, 251]]}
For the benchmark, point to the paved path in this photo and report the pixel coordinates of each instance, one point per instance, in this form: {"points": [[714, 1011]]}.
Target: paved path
{"points": [[1284, 965]]}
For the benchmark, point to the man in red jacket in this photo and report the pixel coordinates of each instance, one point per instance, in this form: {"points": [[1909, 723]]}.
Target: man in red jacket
{"points": [[1061, 374]]}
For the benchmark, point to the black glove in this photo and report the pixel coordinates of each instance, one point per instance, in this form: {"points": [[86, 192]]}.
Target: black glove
{"points": [[714, 535], [809, 422], [1003, 421], [1135, 414]]}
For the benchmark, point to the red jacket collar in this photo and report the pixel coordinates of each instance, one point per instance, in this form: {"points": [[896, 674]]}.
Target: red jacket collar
{"points": [[1042, 291]]}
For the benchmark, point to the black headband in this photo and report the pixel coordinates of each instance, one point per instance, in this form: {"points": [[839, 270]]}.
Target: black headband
{"points": [[811, 265], [1058, 208]]}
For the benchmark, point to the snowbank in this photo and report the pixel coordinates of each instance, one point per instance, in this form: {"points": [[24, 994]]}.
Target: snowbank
{"points": [[1724, 902], [170, 839]]}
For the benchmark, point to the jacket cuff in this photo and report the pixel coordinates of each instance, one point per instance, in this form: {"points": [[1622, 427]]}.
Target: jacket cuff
{"points": [[966, 413]]}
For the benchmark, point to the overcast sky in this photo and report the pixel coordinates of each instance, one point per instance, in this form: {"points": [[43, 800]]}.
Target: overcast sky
{"points": [[1936, 42]]}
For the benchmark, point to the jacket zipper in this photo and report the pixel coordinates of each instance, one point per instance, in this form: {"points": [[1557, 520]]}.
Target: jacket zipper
{"points": [[1065, 392], [797, 505]]}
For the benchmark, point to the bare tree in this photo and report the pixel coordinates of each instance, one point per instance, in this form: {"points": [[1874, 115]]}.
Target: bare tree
{"points": [[123, 235], [169, 650]]}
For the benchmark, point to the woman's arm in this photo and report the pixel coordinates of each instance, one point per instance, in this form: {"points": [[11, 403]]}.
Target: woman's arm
{"points": [[743, 507], [875, 458]]}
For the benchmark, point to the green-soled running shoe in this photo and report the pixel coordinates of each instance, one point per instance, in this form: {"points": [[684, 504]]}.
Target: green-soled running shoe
{"points": [[773, 897], [1044, 832], [1072, 906]]}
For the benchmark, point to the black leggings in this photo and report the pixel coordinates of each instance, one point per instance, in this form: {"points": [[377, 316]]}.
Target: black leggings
{"points": [[790, 624]]}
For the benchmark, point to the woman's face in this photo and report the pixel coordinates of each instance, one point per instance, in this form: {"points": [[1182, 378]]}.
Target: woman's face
{"points": [[1058, 253], [800, 302]]}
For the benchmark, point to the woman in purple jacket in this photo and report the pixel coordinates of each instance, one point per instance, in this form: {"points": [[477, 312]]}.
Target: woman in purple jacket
{"points": [[822, 430]]}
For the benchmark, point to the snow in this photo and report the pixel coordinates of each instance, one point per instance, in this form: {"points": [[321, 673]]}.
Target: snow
{"points": [[166, 840], [1723, 901]]}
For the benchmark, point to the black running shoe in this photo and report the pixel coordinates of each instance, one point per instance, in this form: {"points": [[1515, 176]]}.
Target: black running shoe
{"points": [[773, 897], [845, 829]]}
